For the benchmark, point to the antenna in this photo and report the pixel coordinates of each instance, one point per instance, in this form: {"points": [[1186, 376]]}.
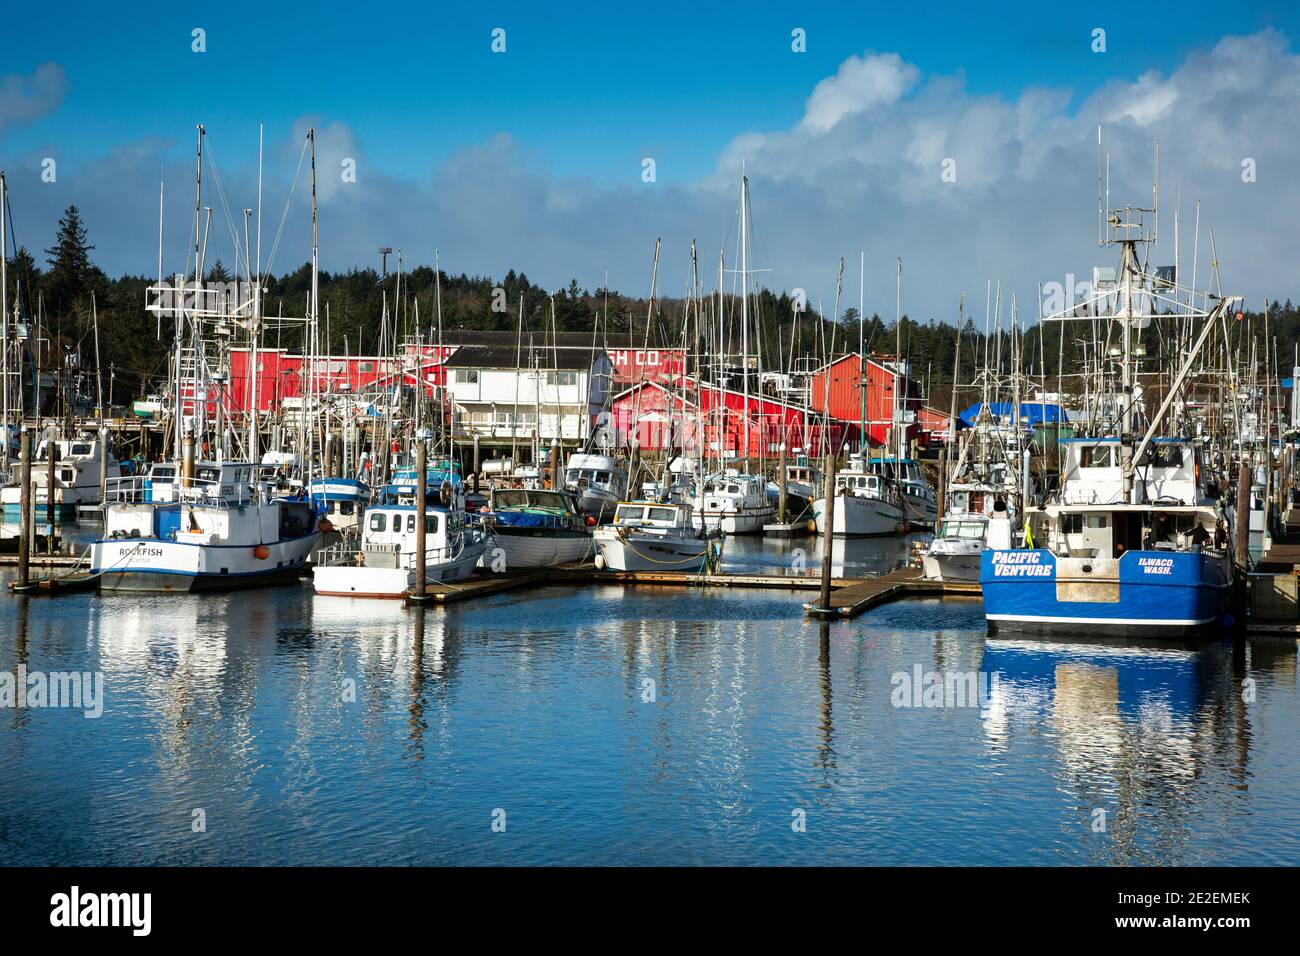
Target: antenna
{"points": [[1100, 213], [1155, 199]]}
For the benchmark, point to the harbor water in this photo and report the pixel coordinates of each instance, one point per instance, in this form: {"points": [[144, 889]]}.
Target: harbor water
{"points": [[597, 724]]}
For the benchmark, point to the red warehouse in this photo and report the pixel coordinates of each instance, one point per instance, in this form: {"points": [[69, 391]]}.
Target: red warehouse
{"points": [[657, 419], [838, 386]]}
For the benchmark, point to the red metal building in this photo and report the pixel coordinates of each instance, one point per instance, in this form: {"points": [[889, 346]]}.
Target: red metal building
{"points": [[838, 386], [659, 419]]}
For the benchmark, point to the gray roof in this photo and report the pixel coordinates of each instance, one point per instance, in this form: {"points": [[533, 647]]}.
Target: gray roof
{"points": [[497, 356]]}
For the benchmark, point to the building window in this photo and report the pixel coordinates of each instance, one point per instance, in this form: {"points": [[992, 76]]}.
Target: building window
{"points": [[466, 376], [561, 378], [366, 367]]}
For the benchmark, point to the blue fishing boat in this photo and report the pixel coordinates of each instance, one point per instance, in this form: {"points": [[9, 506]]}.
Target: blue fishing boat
{"points": [[1134, 542]]}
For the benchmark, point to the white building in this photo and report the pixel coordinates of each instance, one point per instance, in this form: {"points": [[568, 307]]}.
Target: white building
{"points": [[558, 392]]}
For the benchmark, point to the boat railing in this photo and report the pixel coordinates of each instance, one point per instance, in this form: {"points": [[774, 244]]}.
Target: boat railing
{"points": [[139, 489]]}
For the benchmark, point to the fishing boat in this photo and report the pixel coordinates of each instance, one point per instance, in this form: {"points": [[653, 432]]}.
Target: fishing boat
{"points": [[733, 504], [865, 504], [384, 566], [919, 498], [533, 528], [214, 531], [343, 500], [599, 481], [1132, 544], [77, 479], [656, 536]]}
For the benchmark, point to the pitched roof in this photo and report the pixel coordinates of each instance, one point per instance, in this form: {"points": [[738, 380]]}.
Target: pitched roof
{"points": [[509, 357]]}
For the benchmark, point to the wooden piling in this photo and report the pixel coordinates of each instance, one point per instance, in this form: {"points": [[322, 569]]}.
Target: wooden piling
{"points": [[25, 511], [828, 537], [51, 453], [1241, 529], [418, 592]]}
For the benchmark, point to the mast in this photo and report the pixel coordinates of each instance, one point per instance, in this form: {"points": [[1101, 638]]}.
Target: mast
{"points": [[744, 305]]}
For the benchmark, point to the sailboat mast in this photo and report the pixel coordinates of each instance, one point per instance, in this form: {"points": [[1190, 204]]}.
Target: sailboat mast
{"points": [[744, 305]]}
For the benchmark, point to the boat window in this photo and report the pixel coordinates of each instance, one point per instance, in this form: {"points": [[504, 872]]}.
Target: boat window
{"points": [[1096, 521], [345, 507], [1098, 456], [510, 498], [163, 475], [430, 524], [602, 476], [379, 521], [662, 514], [632, 513], [733, 489], [1071, 523], [1166, 456], [81, 448], [410, 522]]}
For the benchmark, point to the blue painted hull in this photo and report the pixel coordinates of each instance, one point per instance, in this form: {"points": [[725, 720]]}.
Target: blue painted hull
{"points": [[1155, 594]]}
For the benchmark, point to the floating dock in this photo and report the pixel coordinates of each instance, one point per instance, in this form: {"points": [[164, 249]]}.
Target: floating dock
{"points": [[854, 598]]}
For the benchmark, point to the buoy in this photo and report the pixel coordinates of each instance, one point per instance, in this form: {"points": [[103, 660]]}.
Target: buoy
{"points": [[444, 493], [600, 562], [326, 526], [591, 521], [261, 552]]}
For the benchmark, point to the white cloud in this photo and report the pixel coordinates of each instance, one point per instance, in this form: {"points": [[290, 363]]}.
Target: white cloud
{"points": [[859, 170], [861, 83]]}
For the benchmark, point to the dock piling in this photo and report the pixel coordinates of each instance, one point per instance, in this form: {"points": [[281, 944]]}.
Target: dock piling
{"points": [[418, 593], [25, 512], [828, 539]]}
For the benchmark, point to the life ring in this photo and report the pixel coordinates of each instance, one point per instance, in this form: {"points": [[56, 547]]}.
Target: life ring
{"points": [[445, 493]]}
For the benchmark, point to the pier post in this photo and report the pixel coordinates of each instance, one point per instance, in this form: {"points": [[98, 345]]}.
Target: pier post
{"points": [[418, 595], [51, 451], [25, 510], [780, 482], [828, 537], [1241, 522], [555, 465]]}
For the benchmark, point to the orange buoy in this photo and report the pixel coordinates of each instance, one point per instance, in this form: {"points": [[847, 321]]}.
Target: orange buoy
{"points": [[326, 525], [261, 552]]}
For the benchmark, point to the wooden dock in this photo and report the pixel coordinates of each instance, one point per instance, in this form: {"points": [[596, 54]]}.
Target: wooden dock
{"points": [[860, 596]]}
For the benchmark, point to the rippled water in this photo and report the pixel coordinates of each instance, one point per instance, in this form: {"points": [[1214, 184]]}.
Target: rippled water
{"points": [[537, 704]]}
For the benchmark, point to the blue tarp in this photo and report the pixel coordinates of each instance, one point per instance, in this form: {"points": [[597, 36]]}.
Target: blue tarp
{"points": [[1035, 413]]}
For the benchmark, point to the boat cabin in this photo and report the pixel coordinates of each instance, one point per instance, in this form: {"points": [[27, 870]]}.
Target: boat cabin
{"points": [[1079, 531], [1093, 472], [643, 514], [390, 532]]}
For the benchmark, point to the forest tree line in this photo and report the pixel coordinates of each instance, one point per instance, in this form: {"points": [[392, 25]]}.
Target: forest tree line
{"points": [[64, 294]]}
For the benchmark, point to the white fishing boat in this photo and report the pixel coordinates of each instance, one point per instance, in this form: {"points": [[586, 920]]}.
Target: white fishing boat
{"points": [[655, 536], [599, 481], [865, 505], [384, 566], [954, 554], [733, 504], [214, 531], [76, 479], [532, 528], [918, 496]]}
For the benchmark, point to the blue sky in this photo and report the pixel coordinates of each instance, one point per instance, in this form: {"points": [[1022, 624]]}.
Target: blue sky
{"points": [[582, 95]]}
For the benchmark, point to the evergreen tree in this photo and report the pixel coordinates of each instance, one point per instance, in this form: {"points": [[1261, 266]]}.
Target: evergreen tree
{"points": [[69, 260]]}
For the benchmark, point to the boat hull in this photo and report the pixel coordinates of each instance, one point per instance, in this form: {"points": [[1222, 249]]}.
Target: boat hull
{"points": [[1141, 594], [859, 517], [359, 581], [136, 564], [512, 548], [939, 566], [634, 552], [749, 521]]}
